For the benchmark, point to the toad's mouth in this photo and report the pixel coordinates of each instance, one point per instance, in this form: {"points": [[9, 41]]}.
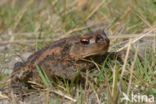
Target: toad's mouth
{"points": [[94, 54], [98, 50]]}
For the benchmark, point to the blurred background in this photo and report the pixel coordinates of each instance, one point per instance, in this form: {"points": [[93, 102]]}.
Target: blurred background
{"points": [[29, 25]]}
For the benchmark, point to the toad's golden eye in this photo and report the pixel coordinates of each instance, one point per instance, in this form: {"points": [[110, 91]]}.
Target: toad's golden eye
{"points": [[84, 41]]}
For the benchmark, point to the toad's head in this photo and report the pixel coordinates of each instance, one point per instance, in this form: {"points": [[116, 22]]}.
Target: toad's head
{"points": [[96, 43]]}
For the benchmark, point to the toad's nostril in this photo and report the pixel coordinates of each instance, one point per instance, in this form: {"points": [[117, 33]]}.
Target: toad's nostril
{"points": [[107, 40], [99, 39]]}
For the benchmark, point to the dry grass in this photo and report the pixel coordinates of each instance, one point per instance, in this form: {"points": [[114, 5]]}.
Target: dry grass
{"points": [[26, 26]]}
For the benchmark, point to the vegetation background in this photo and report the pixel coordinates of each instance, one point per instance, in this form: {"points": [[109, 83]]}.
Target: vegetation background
{"points": [[28, 25]]}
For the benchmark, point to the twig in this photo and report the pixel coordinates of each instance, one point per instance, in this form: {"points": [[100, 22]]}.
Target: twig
{"points": [[124, 66], [138, 38], [3, 96], [122, 36], [55, 91], [97, 97], [131, 74], [63, 95], [95, 10], [91, 61], [126, 59]]}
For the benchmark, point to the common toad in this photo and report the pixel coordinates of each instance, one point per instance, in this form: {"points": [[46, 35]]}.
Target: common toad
{"points": [[63, 58]]}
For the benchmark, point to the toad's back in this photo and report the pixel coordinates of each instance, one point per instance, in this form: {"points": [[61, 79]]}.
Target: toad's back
{"points": [[62, 58]]}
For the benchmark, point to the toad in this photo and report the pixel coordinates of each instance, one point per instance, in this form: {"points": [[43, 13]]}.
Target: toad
{"points": [[63, 58]]}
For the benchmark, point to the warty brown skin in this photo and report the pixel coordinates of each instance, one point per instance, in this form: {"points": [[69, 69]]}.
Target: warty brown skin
{"points": [[63, 58]]}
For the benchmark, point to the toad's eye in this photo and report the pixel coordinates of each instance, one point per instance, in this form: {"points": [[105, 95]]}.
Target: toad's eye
{"points": [[84, 41]]}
